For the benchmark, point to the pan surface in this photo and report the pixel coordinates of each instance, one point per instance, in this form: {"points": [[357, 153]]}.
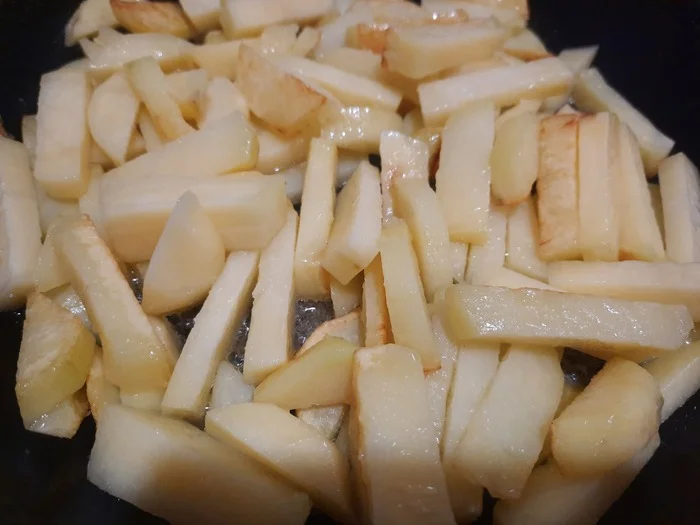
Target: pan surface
{"points": [[650, 51]]}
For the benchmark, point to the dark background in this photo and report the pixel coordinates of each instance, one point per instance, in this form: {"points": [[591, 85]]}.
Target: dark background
{"points": [[650, 51]]}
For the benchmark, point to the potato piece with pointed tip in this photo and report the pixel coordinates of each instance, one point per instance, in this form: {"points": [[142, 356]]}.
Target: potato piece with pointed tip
{"points": [[229, 387], [346, 327], [49, 272], [65, 418], [152, 17], [375, 315], [54, 357], [187, 260], [346, 297], [100, 391]]}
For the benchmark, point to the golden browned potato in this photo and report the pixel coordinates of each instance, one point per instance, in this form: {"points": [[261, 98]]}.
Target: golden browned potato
{"points": [[152, 17]]}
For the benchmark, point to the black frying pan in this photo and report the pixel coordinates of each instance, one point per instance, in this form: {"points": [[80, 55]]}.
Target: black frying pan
{"points": [[650, 51]]}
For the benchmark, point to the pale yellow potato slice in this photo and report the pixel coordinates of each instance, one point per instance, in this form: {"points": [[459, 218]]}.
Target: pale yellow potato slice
{"points": [[88, 19], [459, 254], [187, 260], [485, 259], [131, 445], [203, 14], [557, 188], [375, 314], [278, 152], [100, 391], [151, 87], [503, 86], [418, 52], [356, 61], [320, 376], [550, 497], [524, 106], [668, 283], [680, 194], [640, 237], [54, 357], [315, 220], [346, 327], [600, 326], [134, 357], [439, 381], [569, 393], [522, 242], [464, 176], [325, 420], [148, 400], [507, 278], [64, 419], [504, 437], [515, 157], [402, 158], [397, 453], [354, 237], [248, 210], [419, 207], [90, 204], [405, 298], [62, 135], [185, 88], [678, 377], [360, 128], [351, 90], [151, 136], [526, 45], [277, 96], [152, 17], [66, 297], [49, 272], [219, 99], [346, 297], [599, 229], [289, 447], [214, 328], [612, 420], [243, 18], [592, 93], [218, 59], [229, 387], [50, 208], [578, 60]]}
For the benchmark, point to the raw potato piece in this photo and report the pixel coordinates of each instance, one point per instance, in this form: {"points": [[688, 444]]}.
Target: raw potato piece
{"points": [[522, 242], [599, 230], [214, 328], [550, 497], [375, 315], [592, 93], [361, 128], [319, 377], [418, 206], [63, 420], [50, 208], [229, 387], [294, 177], [504, 86], [20, 233], [600, 326], [514, 158], [612, 420], [346, 297], [152, 17], [504, 438], [405, 299], [204, 14], [100, 392], [132, 445], [680, 194], [291, 448], [134, 357], [668, 283], [678, 377], [315, 220], [269, 340], [354, 237], [346, 327], [640, 237], [557, 188], [219, 99], [395, 446], [244, 18], [464, 177], [486, 259], [187, 260], [54, 357], [88, 19], [150, 85], [62, 135]]}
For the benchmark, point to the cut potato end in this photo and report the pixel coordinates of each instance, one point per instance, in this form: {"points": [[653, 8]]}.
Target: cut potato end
{"points": [[152, 17], [522, 242], [346, 327], [360, 128], [100, 391], [229, 387], [64, 419], [375, 321], [486, 259], [325, 420], [439, 381], [346, 297], [220, 98], [678, 377], [203, 14], [88, 19], [244, 18], [507, 278]]}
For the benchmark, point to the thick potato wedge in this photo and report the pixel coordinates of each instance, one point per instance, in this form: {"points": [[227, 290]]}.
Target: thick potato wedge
{"points": [[558, 319], [131, 445], [152, 17], [504, 437], [678, 377], [20, 233], [100, 391], [346, 297], [522, 242], [486, 259], [214, 328], [88, 19], [269, 340], [248, 210], [592, 93], [290, 448], [186, 262], [229, 387], [504, 86], [464, 176], [220, 98], [375, 314], [405, 298], [557, 188], [611, 421], [360, 128], [397, 453], [245, 18], [62, 135], [54, 357], [134, 357], [320, 376], [680, 194]]}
